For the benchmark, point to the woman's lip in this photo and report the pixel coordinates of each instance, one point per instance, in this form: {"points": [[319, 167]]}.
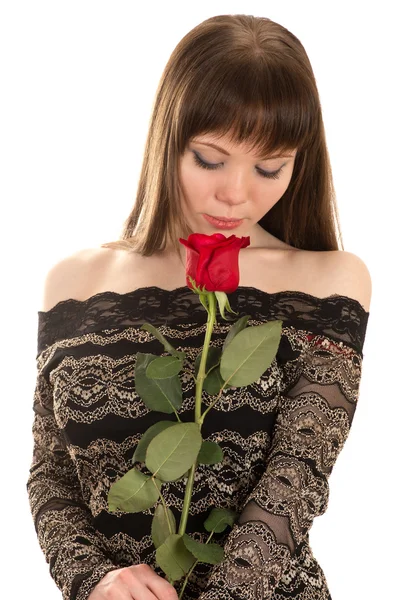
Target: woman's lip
{"points": [[223, 224], [223, 219]]}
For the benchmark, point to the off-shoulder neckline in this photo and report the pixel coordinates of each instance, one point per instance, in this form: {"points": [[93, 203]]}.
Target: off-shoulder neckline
{"points": [[185, 288]]}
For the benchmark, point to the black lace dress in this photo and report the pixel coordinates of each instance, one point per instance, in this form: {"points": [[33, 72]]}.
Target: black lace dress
{"points": [[280, 437]]}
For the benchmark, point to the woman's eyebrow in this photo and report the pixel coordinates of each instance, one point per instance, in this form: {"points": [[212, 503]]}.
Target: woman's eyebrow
{"points": [[223, 151]]}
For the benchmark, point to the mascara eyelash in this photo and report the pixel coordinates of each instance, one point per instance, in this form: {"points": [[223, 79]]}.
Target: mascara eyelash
{"points": [[205, 165]]}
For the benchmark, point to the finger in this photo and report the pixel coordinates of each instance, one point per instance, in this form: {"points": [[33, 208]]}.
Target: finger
{"points": [[139, 591], [161, 588]]}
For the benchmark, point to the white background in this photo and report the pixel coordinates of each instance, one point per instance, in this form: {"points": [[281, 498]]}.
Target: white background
{"points": [[78, 80]]}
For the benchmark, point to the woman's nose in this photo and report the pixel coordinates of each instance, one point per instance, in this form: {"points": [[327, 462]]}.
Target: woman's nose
{"points": [[234, 190]]}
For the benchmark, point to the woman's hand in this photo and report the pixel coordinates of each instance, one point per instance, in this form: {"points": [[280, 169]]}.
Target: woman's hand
{"points": [[139, 582]]}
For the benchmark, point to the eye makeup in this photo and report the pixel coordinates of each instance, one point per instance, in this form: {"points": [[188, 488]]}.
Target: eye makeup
{"points": [[204, 165]]}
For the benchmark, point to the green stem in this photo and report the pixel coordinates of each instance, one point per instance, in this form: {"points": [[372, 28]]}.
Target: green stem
{"points": [[165, 508], [187, 500], [213, 403], [199, 381], [198, 396], [201, 372], [177, 415], [198, 418], [191, 570]]}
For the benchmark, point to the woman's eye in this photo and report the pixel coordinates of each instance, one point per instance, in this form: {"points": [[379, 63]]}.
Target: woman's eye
{"points": [[204, 165]]}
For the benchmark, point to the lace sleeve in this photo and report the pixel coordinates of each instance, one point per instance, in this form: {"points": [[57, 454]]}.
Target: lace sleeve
{"points": [[312, 425], [61, 518]]}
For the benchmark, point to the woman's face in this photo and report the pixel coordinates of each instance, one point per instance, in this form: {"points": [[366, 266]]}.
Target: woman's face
{"points": [[237, 184]]}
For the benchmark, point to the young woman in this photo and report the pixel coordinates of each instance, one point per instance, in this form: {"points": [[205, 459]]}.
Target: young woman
{"points": [[236, 145]]}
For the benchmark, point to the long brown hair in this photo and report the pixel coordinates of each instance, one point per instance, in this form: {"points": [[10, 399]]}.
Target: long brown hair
{"points": [[248, 78]]}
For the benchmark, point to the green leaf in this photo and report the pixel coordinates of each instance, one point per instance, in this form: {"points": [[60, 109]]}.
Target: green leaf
{"points": [[174, 558], [212, 360], [168, 347], [173, 451], [163, 524], [213, 382], [164, 367], [204, 301], [223, 302], [250, 353], [207, 553], [162, 395], [236, 328], [219, 519], [186, 474], [141, 448], [134, 492], [210, 453]]}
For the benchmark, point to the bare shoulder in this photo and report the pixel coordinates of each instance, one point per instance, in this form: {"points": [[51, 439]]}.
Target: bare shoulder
{"points": [[347, 274], [72, 276]]}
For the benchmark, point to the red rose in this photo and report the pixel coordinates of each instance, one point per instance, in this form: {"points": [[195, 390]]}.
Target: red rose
{"points": [[212, 261]]}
